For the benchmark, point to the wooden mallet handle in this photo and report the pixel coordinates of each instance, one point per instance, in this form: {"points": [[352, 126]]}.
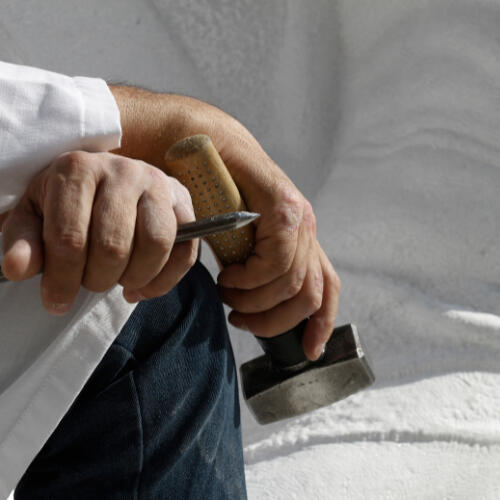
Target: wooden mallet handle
{"points": [[195, 162]]}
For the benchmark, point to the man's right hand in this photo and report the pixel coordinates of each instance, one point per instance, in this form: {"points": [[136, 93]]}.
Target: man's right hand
{"points": [[289, 277], [97, 219]]}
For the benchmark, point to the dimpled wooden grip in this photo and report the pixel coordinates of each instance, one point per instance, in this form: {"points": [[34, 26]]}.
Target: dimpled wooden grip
{"points": [[195, 162]]}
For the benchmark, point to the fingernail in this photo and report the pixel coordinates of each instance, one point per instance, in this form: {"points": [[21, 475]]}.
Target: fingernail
{"points": [[319, 350], [58, 309], [133, 296]]}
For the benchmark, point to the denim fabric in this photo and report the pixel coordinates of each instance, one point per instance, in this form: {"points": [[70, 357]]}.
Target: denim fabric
{"points": [[159, 417]]}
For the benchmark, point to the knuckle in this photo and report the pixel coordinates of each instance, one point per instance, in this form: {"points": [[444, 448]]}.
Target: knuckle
{"points": [[289, 207], [181, 197], [72, 163], [67, 243], [312, 305], [313, 301], [180, 188], [113, 249], [288, 216], [288, 194], [126, 167], [161, 242], [73, 173], [123, 172], [296, 282]]}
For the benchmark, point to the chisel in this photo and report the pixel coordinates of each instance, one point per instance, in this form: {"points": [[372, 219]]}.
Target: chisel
{"points": [[216, 224]]}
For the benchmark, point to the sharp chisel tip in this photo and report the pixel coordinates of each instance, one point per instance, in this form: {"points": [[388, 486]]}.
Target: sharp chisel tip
{"points": [[245, 218]]}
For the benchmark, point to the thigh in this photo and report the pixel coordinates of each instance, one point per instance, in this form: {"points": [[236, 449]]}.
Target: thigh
{"points": [[159, 418]]}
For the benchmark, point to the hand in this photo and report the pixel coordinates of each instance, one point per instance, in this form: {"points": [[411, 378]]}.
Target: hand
{"points": [[289, 278], [97, 219]]}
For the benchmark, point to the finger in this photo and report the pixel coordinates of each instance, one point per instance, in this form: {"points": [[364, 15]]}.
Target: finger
{"points": [[178, 209], [272, 257], [113, 224], [289, 313], [276, 244], [67, 207], [182, 258], [154, 238], [320, 325], [181, 201], [22, 243], [283, 288]]}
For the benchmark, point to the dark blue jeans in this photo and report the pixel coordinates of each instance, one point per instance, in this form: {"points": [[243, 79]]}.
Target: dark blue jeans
{"points": [[159, 417]]}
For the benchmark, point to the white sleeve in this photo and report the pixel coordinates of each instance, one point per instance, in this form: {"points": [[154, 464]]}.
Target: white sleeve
{"points": [[44, 114]]}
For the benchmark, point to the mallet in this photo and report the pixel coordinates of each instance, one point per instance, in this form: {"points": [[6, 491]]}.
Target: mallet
{"points": [[282, 383]]}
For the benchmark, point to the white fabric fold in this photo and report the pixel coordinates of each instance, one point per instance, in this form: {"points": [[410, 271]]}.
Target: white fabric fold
{"points": [[46, 360], [100, 116]]}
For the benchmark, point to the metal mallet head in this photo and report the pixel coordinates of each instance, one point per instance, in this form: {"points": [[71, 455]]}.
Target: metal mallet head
{"points": [[274, 390], [282, 383]]}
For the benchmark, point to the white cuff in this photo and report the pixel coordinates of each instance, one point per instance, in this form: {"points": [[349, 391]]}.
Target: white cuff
{"points": [[101, 127]]}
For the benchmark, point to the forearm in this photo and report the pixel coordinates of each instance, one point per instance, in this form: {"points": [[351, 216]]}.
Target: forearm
{"points": [[152, 122]]}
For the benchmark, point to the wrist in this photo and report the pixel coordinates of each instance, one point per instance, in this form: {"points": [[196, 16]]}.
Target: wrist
{"points": [[152, 122]]}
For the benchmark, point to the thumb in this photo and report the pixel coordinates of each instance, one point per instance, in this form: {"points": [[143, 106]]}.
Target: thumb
{"points": [[22, 243]]}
